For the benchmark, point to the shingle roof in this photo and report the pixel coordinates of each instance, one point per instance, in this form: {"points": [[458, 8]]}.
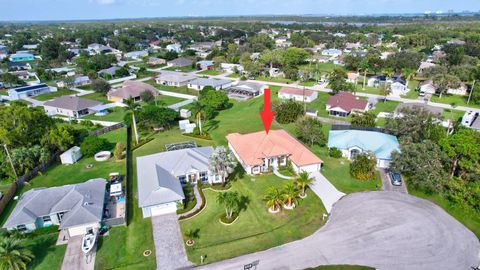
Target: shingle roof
{"points": [[347, 102], [72, 103], [173, 76], [83, 203], [253, 147], [209, 82], [380, 143], [157, 174], [181, 62], [132, 89]]}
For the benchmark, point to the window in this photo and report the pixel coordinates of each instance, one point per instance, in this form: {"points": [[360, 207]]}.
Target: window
{"points": [[22, 228], [46, 219], [203, 176]]}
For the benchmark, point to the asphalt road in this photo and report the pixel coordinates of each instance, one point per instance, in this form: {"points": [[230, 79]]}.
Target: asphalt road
{"points": [[386, 230]]}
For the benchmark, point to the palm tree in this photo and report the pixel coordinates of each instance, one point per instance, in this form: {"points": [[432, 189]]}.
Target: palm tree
{"points": [[13, 254], [198, 109], [274, 199], [132, 107], [364, 66], [290, 193], [408, 73], [230, 201], [222, 162], [303, 181]]}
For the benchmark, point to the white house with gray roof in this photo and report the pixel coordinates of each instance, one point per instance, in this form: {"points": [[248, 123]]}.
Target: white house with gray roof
{"points": [[200, 83], [75, 208], [174, 78], [70, 106], [161, 176]]}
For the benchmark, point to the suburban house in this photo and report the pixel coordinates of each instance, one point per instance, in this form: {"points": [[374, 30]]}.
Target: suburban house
{"points": [[398, 86], [461, 90], [352, 77], [332, 52], [260, 152], [435, 111], [110, 71], [180, 62], [130, 89], [246, 90], [302, 95], [352, 142], [174, 48], [156, 61], [427, 87], [75, 208], [227, 67], [70, 106], [205, 64], [29, 91], [3, 52], [344, 103], [96, 48], [173, 78], [21, 57], [200, 83], [18, 65], [136, 54], [471, 119], [425, 65], [161, 176]]}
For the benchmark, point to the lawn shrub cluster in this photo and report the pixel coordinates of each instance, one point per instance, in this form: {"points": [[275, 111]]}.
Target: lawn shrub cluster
{"points": [[92, 145], [334, 152]]}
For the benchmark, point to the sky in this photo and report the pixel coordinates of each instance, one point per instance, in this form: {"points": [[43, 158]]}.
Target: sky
{"points": [[32, 10]]}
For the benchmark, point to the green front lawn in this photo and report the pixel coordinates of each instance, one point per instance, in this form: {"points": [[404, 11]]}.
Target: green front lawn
{"points": [[98, 97], [387, 106], [412, 94], [452, 114], [454, 99], [47, 255], [468, 218], [182, 69], [60, 92], [234, 75], [169, 100], [116, 114], [309, 83], [211, 72], [255, 229], [274, 79]]}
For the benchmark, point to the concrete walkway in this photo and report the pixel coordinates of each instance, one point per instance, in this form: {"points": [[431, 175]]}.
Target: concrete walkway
{"points": [[325, 191], [277, 173], [199, 202], [75, 259], [169, 249], [381, 229]]}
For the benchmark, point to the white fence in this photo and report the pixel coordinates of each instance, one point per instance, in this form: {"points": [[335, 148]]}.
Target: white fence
{"points": [[174, 94]]}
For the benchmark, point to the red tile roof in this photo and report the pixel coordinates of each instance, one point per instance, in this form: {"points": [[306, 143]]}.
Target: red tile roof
{"points": [[347, 102], [252, 147]]}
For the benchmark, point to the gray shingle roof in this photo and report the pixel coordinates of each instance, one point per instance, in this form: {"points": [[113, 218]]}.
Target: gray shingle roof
{"points": [[72, 103], [83, 203], [157, 174], [180, 62]]}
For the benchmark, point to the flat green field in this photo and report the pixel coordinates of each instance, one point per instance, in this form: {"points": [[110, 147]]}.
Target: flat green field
{"points": [[255, 229], [454, 99], [116, 115]]}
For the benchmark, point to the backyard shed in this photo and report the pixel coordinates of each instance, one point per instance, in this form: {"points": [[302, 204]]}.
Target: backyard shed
{"points": [[71, 156]]}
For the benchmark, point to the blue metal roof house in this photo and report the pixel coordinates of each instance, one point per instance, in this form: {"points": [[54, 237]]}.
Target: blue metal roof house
{"points": [[20, 57], [352, 142], [31, 90]]}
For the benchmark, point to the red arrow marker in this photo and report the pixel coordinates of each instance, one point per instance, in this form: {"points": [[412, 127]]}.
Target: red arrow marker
{"points": [[267, 114]]}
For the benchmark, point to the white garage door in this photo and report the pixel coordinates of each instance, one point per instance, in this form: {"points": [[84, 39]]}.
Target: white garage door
{"points": [[163, 209]]}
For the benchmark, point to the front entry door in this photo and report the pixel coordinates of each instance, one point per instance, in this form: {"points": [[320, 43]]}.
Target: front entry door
{"points": [[192, 178]]}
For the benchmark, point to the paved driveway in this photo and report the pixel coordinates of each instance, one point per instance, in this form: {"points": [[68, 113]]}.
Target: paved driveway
{"points": [[75, 259], [386, 230], [387, 183], [325, 191], [169, 248]]}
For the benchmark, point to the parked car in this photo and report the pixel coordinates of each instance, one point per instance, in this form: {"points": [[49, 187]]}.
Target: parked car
{"points": [[396, 178]]}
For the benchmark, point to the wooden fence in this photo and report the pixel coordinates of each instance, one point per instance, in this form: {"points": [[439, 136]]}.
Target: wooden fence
{"points": [[104, 130]]}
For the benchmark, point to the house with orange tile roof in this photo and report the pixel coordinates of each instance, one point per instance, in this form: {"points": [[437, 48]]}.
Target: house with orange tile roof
{"points": [[259, 152]]}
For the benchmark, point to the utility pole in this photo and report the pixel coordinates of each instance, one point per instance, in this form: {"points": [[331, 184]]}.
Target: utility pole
{"points": [[10, 159], [471, 91], [304, 103]]}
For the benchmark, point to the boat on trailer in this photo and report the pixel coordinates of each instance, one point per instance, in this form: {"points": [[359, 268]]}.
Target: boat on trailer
{"points": [[88, 242]]}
